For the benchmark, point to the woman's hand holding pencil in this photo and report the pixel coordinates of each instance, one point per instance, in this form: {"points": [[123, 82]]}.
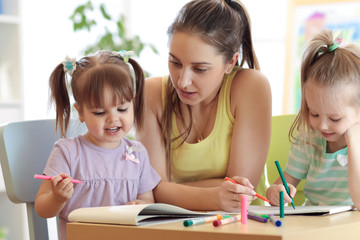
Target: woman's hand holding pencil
{"points": [[256, 194], [230, 193]]}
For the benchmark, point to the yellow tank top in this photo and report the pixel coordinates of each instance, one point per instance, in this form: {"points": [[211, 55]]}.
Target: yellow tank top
{"points": [[210, 157]]}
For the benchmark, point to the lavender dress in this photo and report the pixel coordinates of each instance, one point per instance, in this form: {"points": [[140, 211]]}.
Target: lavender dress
{"points": [[111, 176]]}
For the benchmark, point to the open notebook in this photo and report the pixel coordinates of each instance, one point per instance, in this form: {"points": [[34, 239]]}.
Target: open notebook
{"points": [[141, 214], [145, 214], [300, 210]]}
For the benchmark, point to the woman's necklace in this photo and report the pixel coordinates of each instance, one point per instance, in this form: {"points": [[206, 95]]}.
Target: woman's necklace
{"points": [[199, 139], [201, 136]]}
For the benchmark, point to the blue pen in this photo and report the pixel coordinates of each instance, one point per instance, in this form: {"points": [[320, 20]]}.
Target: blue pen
{"points": [[284, 182]]}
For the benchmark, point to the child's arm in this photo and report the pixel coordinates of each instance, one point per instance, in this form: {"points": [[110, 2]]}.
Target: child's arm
{"points": [[53, 194], [272, 192], [352, 137], [143, 198]]}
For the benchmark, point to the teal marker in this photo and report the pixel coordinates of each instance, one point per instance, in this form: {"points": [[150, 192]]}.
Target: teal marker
{"points": [[281, 195], [284, 182]]}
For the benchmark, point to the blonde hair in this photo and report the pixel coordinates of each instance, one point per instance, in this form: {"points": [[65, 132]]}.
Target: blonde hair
{"points": [[328, 68]]}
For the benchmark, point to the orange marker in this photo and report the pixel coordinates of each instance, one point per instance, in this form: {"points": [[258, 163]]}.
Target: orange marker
{"points": [[257, 195]]}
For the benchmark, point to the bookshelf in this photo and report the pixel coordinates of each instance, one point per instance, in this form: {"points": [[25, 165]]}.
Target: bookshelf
{"points": [[10, 62], [13, 216]]}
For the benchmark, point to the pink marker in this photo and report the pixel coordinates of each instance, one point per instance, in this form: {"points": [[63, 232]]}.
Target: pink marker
{"points": [[243, 210], [44, 177]]}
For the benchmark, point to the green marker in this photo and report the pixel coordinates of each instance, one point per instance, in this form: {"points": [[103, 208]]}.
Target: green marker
{"points": [[284, 182], [281, 195]]}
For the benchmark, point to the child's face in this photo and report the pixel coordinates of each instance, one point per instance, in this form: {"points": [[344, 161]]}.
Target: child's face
{"points": [[108, 125], [196, 68], [331, 111]]}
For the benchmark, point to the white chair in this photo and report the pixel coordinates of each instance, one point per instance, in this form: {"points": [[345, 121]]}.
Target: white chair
{"points": [[24, 149]]}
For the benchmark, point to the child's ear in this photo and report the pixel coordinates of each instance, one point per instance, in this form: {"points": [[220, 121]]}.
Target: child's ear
{"points": [[80, 112]]}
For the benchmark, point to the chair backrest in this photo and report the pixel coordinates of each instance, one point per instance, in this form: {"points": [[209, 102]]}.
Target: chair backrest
{"points": [[24, 149], [279, 150]]}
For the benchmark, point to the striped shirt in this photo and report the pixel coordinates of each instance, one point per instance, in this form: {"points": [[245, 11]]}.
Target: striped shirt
{"points": [[326, 174]]}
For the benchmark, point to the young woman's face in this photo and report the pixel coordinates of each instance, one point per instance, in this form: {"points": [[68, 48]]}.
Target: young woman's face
{"points": [[332, 111], [107, 125], [196, 68]]}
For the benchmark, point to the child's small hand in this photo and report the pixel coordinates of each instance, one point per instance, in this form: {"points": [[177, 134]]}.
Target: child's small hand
{"points": [[273, 193], [62, 187], [352, 135]]}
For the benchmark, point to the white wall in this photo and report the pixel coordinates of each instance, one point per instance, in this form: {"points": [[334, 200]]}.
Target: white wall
{"points": [[48, 37], [269, 32]]}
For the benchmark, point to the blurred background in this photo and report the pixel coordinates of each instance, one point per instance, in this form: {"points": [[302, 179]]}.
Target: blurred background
{"points": [[35, 36]]}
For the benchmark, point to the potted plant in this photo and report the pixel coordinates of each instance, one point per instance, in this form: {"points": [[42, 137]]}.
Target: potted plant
{"points": [[111, 40]]}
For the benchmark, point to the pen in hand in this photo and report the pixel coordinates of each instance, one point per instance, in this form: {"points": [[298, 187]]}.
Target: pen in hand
{"points": [[256, 195], [284, 182], [44, 177]]}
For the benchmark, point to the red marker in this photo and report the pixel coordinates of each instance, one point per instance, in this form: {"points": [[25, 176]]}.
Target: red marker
{"points": [[236, 218]]}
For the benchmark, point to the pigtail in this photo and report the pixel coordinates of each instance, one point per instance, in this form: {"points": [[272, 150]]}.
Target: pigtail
{"points": [[139, 93], [60, 97]]}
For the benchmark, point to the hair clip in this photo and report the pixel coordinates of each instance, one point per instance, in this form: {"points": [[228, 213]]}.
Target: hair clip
{"points": [[69, 65], [337, 42], [330, 48], [124, 54]]}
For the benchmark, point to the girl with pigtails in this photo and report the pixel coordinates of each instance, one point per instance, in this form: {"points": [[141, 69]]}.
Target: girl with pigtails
{"points": [[211, 116], [114, 169]]}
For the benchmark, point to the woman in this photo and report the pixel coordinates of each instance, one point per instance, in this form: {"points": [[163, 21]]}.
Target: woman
{"points": [[209, 118]]}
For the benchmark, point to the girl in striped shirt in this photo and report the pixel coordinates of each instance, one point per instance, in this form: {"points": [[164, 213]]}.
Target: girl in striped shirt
{"points": [[326, 149]]}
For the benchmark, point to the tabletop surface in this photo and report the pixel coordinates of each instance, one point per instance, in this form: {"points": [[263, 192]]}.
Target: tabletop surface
{"points": [[346, 224]]}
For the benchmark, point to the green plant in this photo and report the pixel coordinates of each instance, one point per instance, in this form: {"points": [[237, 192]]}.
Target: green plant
{"points": [[2, 233], [111, 40]]}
